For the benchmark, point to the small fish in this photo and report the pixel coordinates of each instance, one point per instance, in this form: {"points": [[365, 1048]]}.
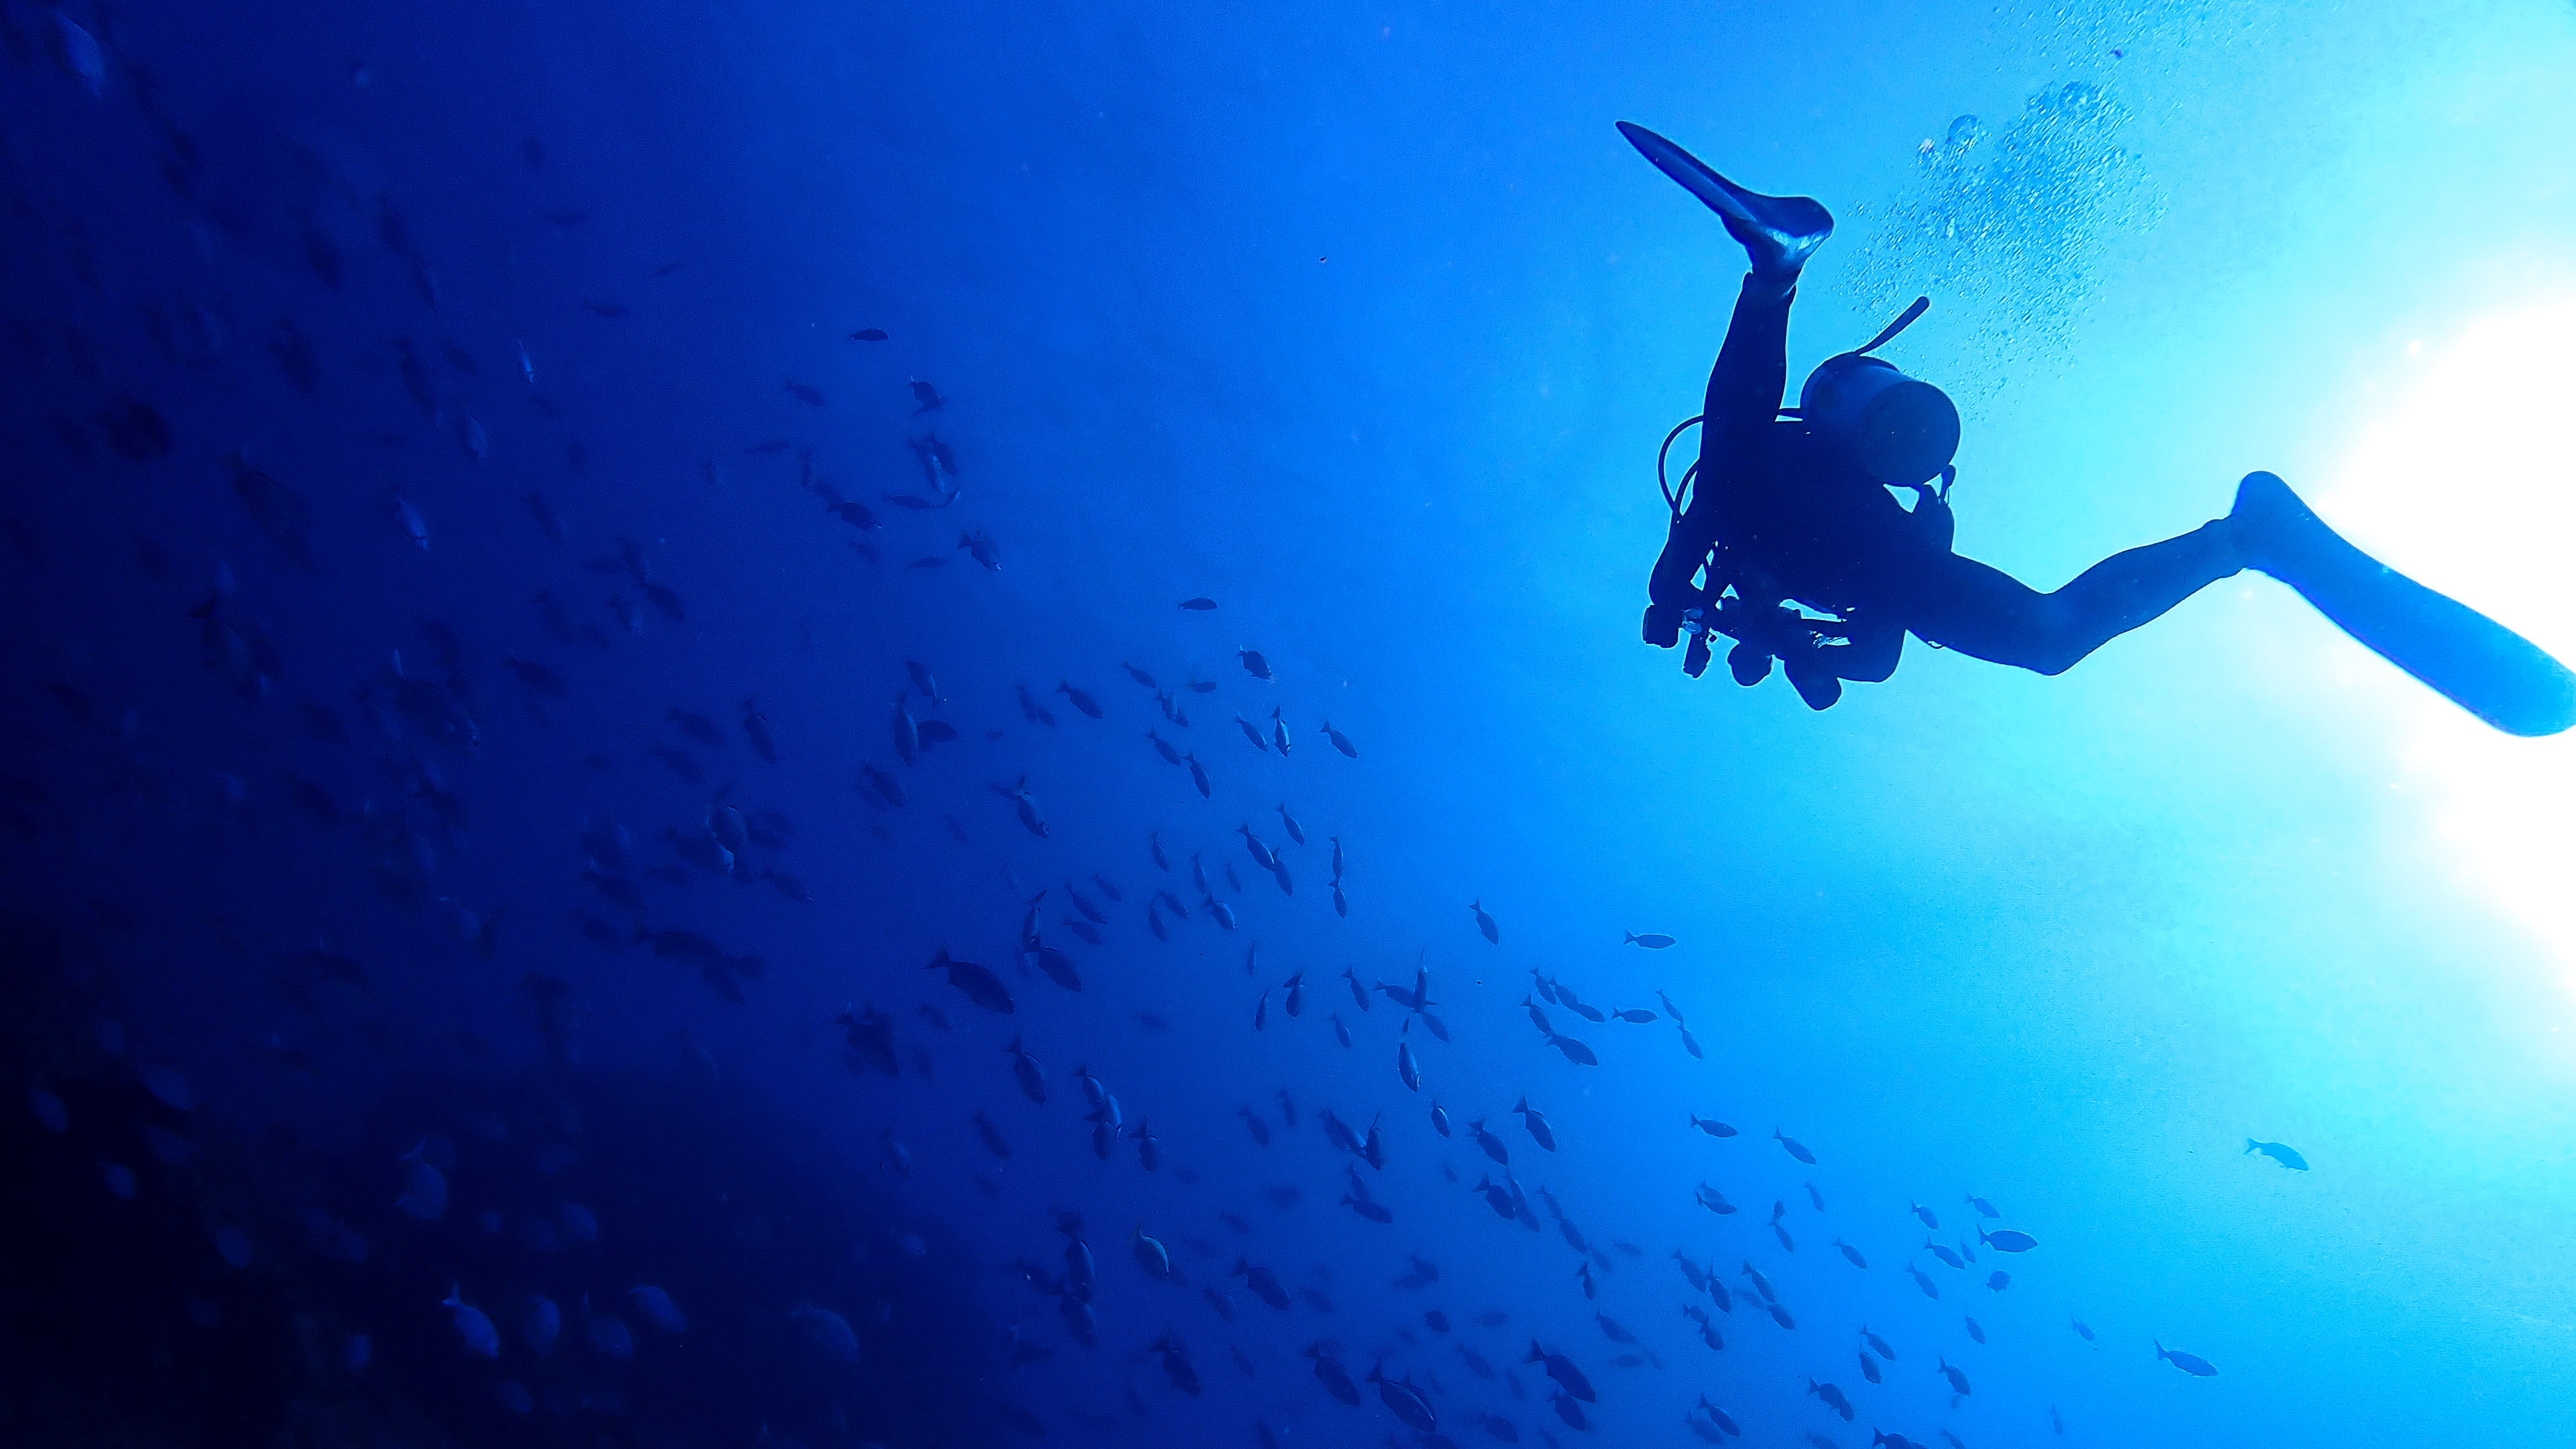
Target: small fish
{"points": [[1058, 967], [1536, 1121], [1563, 1370], [825, 1332], [1025, 1067], [869, 334], [1574, 1051], [1492, 1145], [1794, 1147], [1340, 741], [2006, 1240], [924, 396], [1832, 1397], [1485, 926], [1930, 1288], [79, 53], [980, 985], [1958, 1380], [1025, 805], [2286, 1156], [804, 394], [1403, 1400], [471, 1324], [657, 1308], [1358, 1201], [1711, 1127], [1984, 1208], [1925, 1214], [1976, 1331], [2190, 1363], [408, 518], [1254, 664], [1409, 1071], [755, 727], [883, 783], [1652, 941], [1851, 1254], [1998, 1281], [424, 1194], [1198, 606], [1081, 700], [1943, 1253], [1264, 1284]]}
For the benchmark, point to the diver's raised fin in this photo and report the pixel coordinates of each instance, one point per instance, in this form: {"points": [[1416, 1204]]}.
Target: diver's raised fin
{"points": [[1780, 231], [2475, 662]]}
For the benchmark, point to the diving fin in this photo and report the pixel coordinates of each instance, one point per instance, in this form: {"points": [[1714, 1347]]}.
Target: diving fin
{"points": [[2470, 659], [1780, 231]]}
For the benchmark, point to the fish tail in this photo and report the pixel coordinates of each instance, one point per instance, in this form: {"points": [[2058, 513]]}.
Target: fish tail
{"points": [[2250, 1146]]}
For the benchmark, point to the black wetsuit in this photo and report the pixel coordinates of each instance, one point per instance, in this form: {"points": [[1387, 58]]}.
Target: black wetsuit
{"points": [[1796, 519]]}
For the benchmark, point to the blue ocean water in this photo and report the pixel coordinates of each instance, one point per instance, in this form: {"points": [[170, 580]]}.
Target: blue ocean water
{"points": [[561, 559]]}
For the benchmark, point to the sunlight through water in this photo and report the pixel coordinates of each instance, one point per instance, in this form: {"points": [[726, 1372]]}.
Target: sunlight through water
{"points": [[2469, 483]]}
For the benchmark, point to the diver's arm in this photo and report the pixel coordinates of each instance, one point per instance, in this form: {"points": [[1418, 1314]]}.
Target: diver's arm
{"points": [[1870, 656], [1932, 510]]}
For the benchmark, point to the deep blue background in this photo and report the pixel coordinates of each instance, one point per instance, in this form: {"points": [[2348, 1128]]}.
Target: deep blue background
{"points": [[1362, 321]]}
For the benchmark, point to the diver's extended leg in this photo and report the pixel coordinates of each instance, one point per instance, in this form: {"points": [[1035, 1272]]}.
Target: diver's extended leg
{"points": [[1780, 231], [1743, 397], [2477, 663], [1982, 611]]}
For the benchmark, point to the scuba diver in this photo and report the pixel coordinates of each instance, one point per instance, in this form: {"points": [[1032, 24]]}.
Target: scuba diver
{"points": [[1792, 506]]}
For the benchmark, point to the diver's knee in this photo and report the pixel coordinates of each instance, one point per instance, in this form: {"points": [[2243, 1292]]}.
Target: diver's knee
{"points": [[2057, 654]]}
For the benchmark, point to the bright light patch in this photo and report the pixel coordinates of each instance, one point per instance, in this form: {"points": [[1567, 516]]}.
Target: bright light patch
{"points": [[2470, 486]]}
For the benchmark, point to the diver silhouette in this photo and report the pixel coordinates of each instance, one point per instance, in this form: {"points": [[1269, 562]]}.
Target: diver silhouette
{"points": [[1792, 506]]}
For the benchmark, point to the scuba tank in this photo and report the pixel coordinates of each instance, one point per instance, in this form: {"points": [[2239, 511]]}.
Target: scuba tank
{"points": [[1901, 430]]}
